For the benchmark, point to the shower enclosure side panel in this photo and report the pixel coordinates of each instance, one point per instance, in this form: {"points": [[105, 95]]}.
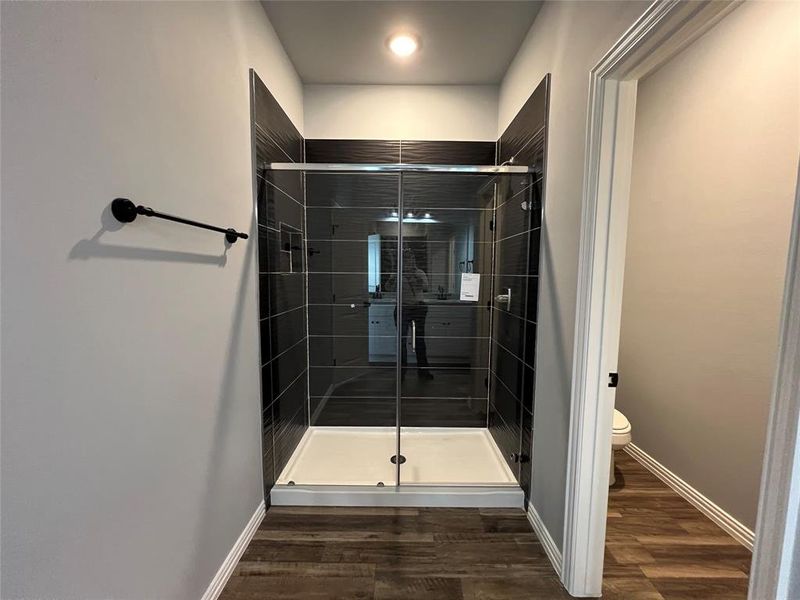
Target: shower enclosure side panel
{"points": [[281, 266], [517, 255]]}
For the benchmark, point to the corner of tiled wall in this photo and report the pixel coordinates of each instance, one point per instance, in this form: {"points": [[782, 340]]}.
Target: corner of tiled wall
{"points": [[517, 251], [281, 268]]}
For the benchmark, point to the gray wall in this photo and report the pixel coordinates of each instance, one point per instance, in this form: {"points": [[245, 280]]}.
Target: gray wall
{"points": [[567, 39], [130, 394], [715, 163], [409, 112]]}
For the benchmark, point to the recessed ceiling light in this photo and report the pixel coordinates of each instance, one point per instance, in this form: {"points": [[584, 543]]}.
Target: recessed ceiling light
{"points": [[403, 44]]}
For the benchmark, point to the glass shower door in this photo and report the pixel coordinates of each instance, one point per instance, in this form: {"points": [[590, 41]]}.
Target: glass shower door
{"points": [[446, 268], [352, 250], [399, 275]]}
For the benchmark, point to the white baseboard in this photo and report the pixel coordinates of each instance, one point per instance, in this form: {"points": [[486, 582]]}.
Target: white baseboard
{"points": [[550, 548], [229, 564], [729, 524]]}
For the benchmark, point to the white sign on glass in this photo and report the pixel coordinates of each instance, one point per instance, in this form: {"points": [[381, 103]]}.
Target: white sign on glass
{"points": [[470, 287]]}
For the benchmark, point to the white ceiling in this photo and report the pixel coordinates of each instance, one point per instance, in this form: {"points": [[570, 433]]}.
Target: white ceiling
{"points": [[344, 42]]}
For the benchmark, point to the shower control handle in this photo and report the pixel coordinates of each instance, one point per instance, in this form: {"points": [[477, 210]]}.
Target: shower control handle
{"points": [[504, 298], [414, 335]]}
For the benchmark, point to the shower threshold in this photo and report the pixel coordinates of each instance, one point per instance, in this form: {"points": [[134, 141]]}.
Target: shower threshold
{"points": [[352, 466]]}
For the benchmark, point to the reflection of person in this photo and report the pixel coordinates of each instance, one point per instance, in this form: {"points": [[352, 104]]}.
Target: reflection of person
{"points": [[415, 284]]}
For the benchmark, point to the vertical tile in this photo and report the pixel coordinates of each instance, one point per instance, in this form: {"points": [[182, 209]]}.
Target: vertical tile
{"points": [[525, 126], [286, 329], [290, 424], [526, 450], [267, 448], [280, 199], [506, 436], [271, 118], [287, 367], [284, 291], [280, 211], [517, 251], [264, 336]]}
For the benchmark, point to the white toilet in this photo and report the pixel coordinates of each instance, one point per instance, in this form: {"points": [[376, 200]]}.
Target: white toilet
{"points": [[620, 437]]}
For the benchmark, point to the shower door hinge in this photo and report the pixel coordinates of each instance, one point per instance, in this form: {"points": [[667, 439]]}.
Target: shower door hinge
{"points": [[491, 225], [613, 379]]}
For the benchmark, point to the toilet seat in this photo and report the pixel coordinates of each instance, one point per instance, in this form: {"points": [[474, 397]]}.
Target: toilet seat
{"points": [[620, 437], [621, 431], [621, 424]]}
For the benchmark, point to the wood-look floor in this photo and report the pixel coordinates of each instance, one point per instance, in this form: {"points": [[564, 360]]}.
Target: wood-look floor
{"points": [[404, 553], [658, 548]]}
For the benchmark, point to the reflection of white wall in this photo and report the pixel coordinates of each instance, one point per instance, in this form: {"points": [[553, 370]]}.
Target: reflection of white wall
{"points": [[409, 112], [373, 261], [438, 261], [131, 442], [714, 173]]}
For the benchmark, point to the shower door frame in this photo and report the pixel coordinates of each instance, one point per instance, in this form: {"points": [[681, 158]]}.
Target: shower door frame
{"points": [[412, 495]]}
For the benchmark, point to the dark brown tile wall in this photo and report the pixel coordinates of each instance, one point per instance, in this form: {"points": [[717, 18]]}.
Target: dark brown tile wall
{"points": [[406, 151], [281, 266], [518, 221], [447, 153], [336, 293], [353, 151], [350, 383]]}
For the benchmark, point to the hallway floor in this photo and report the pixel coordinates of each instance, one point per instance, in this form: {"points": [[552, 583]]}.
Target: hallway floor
{"points": [[659, 547], [404, 553]]}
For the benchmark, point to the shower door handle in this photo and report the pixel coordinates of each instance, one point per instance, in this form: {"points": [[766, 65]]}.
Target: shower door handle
{"points": [[414, 335], [504, 298]]}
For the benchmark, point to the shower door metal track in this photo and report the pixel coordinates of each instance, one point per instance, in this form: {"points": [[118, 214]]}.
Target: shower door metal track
{"points": [[396, 168]]}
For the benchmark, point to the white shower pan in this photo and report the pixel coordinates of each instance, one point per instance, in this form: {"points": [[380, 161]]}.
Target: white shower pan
{"points": [[350, 466]]}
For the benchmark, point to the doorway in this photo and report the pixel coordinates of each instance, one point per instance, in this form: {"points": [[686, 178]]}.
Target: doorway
{"points": [[663, 31]]}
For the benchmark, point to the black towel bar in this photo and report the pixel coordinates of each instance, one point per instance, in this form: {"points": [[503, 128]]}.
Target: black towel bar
{"points": [[125, 211]]}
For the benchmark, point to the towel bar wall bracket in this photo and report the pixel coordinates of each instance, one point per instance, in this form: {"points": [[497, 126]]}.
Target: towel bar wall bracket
{"points": [[126, 211]]}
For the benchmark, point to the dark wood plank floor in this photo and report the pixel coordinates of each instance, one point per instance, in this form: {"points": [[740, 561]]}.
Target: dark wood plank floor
{"points": [[403, 553], [658, 548]]}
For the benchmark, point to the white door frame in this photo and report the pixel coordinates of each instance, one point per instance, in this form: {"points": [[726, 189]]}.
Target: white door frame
{"points": [[777, 528], [665, 28]]}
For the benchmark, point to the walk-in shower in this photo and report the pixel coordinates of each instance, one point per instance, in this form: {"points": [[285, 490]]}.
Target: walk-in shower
{"points": [[397, 298], [398, 265]]}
